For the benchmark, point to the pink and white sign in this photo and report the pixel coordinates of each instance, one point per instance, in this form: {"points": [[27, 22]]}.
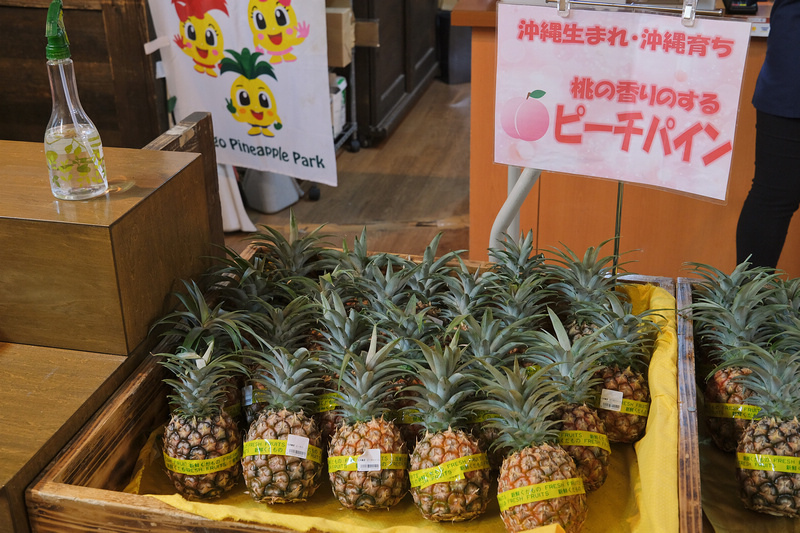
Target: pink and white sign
{"points": [[626, 96]]}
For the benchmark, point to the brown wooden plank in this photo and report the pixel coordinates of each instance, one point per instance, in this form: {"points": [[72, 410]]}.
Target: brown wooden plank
{"points": [[140, 115], [691, 517], [47, 395], [195, 134]]}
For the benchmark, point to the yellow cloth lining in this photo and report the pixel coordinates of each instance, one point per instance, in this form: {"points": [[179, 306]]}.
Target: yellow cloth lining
{"points": [[639, 496]]}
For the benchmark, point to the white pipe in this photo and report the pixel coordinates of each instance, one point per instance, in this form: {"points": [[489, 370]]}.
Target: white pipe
{"points": [[510, 209]]}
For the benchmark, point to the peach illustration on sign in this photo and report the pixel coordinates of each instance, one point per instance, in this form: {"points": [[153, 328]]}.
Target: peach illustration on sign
{"points": [[525, 118]]}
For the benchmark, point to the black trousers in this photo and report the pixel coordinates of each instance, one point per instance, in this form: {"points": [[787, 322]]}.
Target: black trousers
{"points": [[775, 193]]}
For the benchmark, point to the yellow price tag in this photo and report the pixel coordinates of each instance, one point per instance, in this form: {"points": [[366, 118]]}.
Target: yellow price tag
{"points": [[770, 463], [733, 410], [282, 447], [632, 407], [349, 463], [448, 471], [584, 438], [199, 467], [540, 492]]}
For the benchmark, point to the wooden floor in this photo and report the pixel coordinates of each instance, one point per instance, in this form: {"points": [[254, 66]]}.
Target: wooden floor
{"points": [[404, 190]]}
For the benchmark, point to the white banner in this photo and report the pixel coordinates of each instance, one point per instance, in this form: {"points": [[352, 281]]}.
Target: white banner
{"points": [[626, 96], [261, 70]]}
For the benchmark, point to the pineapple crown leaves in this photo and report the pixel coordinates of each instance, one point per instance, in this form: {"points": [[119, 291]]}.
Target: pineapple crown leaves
{"points": [[788, 294], [573, 365], [357, 259], [343, 330], [247, 64], [197, 322], [428, 278], [467, 293], [366, 380], [387, 284], [445, 384], [302, 256], [721, 288], [293, 380], [199, 380], [516, 262], [774, 380], [526, 300], [523, 405], [632, 336], [743, 319], [288, 326], [406, 324], [490, 340], [581, 279]]}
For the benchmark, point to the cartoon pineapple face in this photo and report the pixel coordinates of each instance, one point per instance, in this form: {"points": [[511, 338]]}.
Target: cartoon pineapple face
{"points": [[200, 35], [252, 101], [275, 28]]}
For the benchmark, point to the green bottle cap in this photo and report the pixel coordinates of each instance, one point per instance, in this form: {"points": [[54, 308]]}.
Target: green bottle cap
{"points": [[57, 41]]}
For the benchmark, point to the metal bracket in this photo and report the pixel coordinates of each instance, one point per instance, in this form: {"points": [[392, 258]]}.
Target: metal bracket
{"points": [[563, 8], [688, 13]]}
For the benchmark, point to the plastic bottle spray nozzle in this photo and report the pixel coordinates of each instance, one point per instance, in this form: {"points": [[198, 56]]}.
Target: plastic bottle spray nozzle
{"points": [[57, 41]]}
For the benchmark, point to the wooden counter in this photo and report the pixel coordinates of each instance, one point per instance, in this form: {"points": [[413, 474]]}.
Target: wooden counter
{"points": [[666, 228], [46, 395]]}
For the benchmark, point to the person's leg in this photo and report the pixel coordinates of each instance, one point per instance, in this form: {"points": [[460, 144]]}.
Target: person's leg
{"points": [[775, 193]]}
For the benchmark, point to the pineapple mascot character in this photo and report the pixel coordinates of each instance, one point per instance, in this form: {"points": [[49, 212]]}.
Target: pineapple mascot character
{"points": [[252, 101], [275, 29], [200, 35]]}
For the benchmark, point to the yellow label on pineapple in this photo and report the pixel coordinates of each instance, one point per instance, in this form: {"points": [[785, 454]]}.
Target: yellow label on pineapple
{"points": [[480, 417], [349, 463], [583, 438], [327, 402], [199, 467], [280, 447], [632, 407], [732, 410], [540, 492], [406, 416], [448, 471], [770, 463]]}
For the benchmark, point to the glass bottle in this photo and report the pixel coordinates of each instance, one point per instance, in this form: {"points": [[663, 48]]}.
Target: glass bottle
{"points": [[72, 145]]}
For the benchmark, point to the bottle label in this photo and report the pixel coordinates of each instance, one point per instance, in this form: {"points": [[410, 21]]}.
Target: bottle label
{"points": [[75, 162]]}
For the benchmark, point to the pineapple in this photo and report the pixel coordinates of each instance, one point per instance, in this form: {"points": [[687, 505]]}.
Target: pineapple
{"points": [[573, 368], [467, 294], [439, 399], [367, 455], [288, 327], [523, 406], [202, 444], [197, 324], [492, 342], [727, 322], [769, 444], [282, 457], [624, 369], [341, 330]]}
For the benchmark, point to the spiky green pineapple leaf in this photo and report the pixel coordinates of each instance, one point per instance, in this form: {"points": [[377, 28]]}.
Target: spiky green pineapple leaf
{"points": [[247, 64]]}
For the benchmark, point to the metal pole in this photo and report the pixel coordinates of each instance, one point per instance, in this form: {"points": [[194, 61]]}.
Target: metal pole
{"points": [[618, 225], [510, 208]]}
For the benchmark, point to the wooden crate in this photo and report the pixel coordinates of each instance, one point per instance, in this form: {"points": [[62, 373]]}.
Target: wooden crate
{"points": [[82, 489], [129, 248]]}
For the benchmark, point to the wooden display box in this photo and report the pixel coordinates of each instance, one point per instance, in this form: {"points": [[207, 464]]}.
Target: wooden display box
{"points": [[82, 489], [94, 275]]}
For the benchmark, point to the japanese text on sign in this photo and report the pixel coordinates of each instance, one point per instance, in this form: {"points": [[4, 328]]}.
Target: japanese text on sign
{"points": [[633, 97]]}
